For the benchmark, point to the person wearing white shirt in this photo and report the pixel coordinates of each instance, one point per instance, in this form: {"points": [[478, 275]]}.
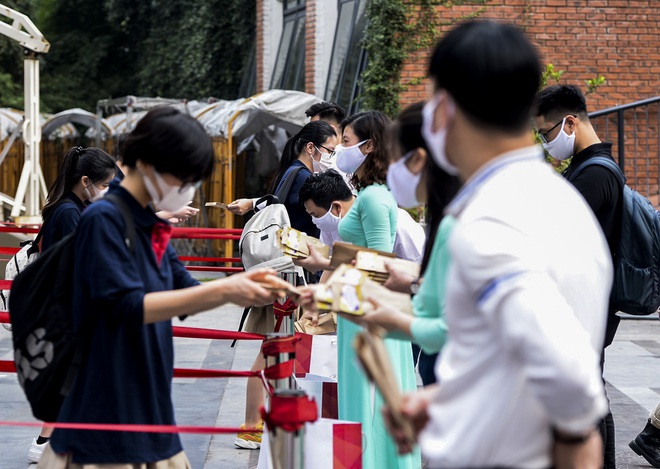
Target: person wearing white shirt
{"points": [[519, 377]]}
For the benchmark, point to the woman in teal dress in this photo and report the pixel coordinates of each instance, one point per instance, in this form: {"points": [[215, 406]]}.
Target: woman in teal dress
{"points": [[371, 222]]}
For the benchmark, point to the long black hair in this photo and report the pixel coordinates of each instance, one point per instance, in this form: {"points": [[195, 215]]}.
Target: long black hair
{"points": [[441, 186], [316, 132], [92, 162]]}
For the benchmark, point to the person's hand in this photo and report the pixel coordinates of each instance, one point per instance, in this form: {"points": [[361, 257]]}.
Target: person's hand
{"points": [[308, 304], [183, 214], [240, 206], [385, 316], [314, 262], [414, 408], [248, 288], [398, 280], [587, 455]]}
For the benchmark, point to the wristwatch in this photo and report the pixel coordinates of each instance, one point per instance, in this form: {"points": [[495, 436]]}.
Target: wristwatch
{"points": [[414, 286]]}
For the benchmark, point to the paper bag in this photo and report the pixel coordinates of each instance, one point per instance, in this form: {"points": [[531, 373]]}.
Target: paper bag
{"points": [[316, 354], [324, 392], [329, 444]]}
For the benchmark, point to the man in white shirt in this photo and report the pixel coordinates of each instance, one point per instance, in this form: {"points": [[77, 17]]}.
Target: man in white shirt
{"points": [[519, 378]]}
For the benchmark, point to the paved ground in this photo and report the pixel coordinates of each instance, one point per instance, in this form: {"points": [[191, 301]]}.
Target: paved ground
{"points": [[631, 370]]}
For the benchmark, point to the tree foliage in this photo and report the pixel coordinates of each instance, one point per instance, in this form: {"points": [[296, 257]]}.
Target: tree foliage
{"points": [[100, 49]]}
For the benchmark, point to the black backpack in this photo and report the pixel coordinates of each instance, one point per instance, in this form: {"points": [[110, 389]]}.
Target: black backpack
{"points": [[636, 288], [48, 350]]}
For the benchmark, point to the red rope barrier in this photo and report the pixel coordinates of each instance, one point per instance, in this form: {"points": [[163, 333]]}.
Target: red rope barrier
{"points": [[131, 427], [207, 268], [16, 229], [4, 317], [273, 347], [290, 412], [9, 251], [177, 231], [5, 284], [203, 259], [200, 333], [283, 310], [278, 371]]}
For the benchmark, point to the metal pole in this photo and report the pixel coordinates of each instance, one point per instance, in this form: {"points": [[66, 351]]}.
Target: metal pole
{"points": [[287, 327], [30, 187], [289, 381], [621, 141], [286, 448]]}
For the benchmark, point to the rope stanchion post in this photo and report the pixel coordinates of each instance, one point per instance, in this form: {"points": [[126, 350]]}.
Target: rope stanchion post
{"points": [[291, 410], [279, 348], [289, 320]]}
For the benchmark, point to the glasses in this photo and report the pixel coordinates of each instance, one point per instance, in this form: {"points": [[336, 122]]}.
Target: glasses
{"points": [[330, 152], [544, 135]]}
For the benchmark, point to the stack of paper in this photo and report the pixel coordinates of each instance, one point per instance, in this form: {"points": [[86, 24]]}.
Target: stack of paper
{"points": [[216, 204], [348, 290], [374, 265], [294, 243]]}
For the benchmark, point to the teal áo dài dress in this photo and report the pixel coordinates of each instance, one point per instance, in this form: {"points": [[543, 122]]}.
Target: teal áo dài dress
{"points": [[371, 222]]}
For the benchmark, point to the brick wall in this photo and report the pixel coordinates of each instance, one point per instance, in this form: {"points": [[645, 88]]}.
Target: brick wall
{"points": [[584, 38], [310, 46]]}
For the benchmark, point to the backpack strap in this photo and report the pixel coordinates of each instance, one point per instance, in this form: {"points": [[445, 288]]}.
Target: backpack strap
{"points": [[129, 233], [36, 244], [600, 161], [282, 191]]}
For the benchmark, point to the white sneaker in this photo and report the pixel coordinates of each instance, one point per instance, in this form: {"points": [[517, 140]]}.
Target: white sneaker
{"points": [[35, 451]]}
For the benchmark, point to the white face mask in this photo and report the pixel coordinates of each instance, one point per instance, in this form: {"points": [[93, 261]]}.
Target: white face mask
{"points": [[349, 159], [437, 141], [561, 148], [98, 193], [325, 163], [403, 183], [328, 223], [174, 199]]}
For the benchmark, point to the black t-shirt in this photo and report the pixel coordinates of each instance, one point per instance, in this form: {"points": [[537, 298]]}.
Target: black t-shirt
{"points": [[601, 189]]}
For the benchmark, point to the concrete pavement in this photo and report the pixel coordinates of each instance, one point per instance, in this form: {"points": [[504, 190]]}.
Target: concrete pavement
{"points": [[631, 370]]}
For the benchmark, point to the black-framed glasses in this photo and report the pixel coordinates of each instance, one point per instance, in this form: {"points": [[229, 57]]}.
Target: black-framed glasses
{"points": [[330, 152], [544, 135]]}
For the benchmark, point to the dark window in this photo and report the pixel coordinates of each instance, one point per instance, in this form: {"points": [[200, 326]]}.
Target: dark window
{"points": [[289, 71], [348, 56], [249, 78]]}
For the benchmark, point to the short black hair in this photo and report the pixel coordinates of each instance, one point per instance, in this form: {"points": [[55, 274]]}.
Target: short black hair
{"points": [[326, 110], [173, 142], [324, 188], [558, 101], [491, 70]]}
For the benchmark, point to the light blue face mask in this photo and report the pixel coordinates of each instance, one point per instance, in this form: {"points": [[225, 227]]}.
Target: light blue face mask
{"points": [[403, 182]]}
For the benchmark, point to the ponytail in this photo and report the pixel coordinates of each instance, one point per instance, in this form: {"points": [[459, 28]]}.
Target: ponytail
{"points": [[316, 132], [94, 163]]}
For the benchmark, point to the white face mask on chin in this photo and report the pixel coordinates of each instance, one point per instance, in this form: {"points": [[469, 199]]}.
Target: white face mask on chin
{"points": [[173, 199], [561, 148]]}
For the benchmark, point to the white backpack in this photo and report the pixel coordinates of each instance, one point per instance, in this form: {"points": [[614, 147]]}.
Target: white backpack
{"points": [[257, 246], [28, 253]]}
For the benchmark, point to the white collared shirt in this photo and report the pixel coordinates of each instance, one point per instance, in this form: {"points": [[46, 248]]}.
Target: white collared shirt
{"points": [[526, 307]]}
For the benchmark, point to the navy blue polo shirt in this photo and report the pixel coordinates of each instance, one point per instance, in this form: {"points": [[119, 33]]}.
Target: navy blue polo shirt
{"points": [[127, 374], [300, 219], [63, 220]]}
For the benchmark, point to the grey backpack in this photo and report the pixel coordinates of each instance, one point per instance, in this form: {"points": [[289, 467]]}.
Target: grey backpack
{"points": [[257, 246]]}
